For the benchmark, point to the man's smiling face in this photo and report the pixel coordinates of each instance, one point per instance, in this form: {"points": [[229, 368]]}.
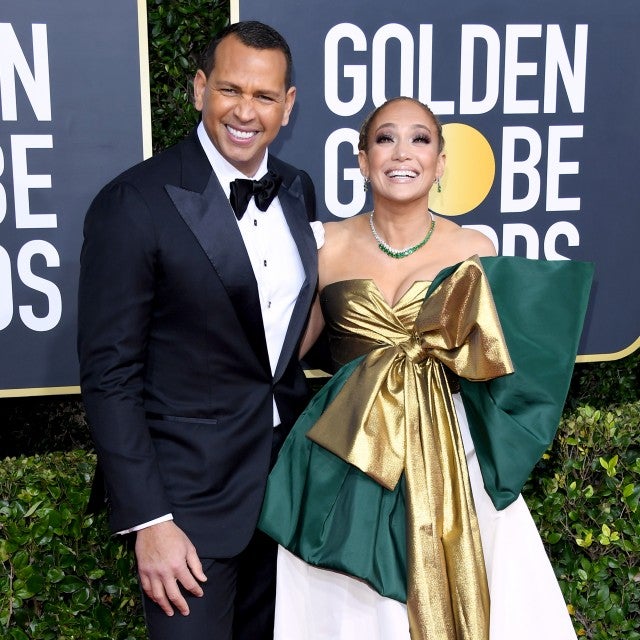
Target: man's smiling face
{"points": [[244, 101]]}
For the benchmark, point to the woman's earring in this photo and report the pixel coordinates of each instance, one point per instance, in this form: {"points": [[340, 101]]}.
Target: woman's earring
{"points": [[439, 187], [366, 184]]}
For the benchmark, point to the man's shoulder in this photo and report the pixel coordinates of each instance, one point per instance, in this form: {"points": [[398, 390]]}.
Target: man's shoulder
{"points": [[161, 161], [160, 167]]}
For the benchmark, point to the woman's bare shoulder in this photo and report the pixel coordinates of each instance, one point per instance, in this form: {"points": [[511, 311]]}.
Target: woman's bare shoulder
{"points": [[468, 242], [476, 242], [342, 230]]}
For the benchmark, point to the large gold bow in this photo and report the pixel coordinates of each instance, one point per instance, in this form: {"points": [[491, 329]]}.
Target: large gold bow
{"points": [[395, 414]]}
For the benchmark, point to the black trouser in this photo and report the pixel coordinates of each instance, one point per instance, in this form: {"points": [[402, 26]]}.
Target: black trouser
{"points": [[238, 601], [239, 594]]}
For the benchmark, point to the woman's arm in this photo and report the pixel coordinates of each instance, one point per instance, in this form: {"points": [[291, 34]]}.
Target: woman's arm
{"points": [[314, 327]]}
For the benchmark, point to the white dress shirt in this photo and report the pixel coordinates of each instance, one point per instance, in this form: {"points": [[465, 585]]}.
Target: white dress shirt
{"points": [[273, 253]]}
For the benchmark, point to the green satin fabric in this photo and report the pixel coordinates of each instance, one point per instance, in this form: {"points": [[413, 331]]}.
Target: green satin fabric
{"points": [[514, 419], [331, 514]]}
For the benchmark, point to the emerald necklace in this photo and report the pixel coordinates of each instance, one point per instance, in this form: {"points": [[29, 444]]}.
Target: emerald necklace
{"points": [[401, 253]]}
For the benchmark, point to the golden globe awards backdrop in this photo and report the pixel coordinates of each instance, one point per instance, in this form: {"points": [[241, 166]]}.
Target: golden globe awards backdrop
{"points": [[539, 103], [74, 113]]}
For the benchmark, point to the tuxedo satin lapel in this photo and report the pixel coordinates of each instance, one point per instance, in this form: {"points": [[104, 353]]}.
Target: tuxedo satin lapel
{"points": [[212, 222], [295, 214]]}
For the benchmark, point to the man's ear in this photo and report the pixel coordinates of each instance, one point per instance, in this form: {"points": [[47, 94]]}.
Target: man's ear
{"points": [[199, 86], [289, 101]]}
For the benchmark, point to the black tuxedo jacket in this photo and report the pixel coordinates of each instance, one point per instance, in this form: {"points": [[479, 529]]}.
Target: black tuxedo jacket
{"points": [[174, 366]]}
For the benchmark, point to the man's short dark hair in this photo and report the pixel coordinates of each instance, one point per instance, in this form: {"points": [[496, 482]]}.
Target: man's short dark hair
{"points": [[252, 34]]}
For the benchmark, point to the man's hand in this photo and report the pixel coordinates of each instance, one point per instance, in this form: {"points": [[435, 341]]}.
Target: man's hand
{"points": [[165, 558]]}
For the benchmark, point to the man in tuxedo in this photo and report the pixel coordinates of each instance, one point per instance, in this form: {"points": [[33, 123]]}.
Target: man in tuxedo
{"points": [[190, 320]]}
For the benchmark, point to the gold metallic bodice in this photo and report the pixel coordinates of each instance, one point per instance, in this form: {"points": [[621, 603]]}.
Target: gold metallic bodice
{"points": [[359, 319]]}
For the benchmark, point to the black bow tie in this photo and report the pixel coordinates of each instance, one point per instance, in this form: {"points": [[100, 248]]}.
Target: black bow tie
{"points": [[264, 190]]}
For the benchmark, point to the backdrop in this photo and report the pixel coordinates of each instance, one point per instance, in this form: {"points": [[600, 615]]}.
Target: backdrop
{"points": [[539, 102], [74, 111]]}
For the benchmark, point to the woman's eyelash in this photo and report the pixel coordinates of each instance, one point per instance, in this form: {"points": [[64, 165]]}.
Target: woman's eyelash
{"points": [[385, 137]]}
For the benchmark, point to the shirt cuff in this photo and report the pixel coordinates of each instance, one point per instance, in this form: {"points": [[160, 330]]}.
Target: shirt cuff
{"points": [[144, 525]]}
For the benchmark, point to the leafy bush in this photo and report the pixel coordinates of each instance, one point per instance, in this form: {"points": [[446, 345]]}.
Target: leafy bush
{"points": [[32, 426], [584, 497], [63, 576], [178, 32], [604, 383]]}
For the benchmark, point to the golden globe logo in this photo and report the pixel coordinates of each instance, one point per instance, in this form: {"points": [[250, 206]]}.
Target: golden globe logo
{"points": [[469, 172]]}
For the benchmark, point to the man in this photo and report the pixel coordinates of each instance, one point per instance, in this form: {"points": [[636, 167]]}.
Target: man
{"points": [[189, 327]]}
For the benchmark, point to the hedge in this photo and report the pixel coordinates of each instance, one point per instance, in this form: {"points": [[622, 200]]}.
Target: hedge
{"points": [[584, 498], [178, 32], [66, 578]]}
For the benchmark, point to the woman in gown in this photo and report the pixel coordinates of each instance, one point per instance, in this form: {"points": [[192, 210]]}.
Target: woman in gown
{"points": [[398, 516]]}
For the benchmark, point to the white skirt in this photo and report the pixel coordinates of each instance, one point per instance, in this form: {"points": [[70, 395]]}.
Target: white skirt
{"points": [[526, 601]]}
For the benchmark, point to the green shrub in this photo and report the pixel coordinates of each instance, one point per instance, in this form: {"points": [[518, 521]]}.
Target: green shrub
{"points": [[604, 383], [584, 497], [33, 426], [63, 576], [178, 32]]}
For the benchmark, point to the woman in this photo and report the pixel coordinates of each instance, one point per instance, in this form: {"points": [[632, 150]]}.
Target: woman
{"points": [[379, 482]]}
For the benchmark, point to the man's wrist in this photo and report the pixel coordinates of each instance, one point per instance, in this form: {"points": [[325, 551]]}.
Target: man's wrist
{"points": [[144, 525]]}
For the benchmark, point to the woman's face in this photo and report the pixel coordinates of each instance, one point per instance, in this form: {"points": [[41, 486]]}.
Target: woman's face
{"points": [[402, 159]]}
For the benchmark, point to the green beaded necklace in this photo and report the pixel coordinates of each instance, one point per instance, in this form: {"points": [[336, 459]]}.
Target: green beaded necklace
{"points": [[401, 253]]}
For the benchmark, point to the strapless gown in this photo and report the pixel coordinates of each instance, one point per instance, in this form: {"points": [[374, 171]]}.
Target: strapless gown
{"points": [[318, 603]]}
